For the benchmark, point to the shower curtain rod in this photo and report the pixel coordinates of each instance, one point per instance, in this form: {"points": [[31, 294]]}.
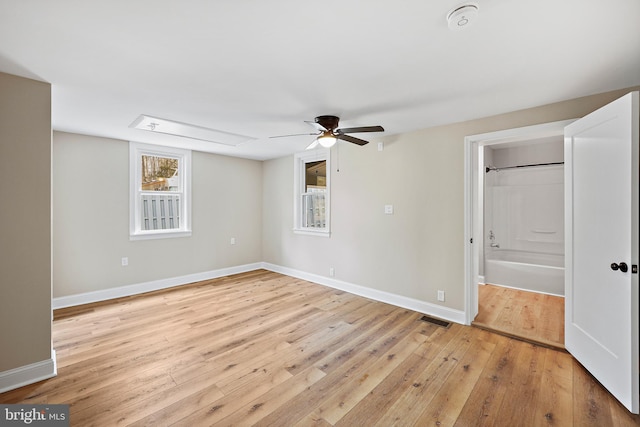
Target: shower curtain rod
{"points": [[493, 168]]}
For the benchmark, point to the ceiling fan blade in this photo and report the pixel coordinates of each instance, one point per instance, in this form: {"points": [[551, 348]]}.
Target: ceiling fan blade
{"points": [[295, 134], [313, 145], [352, 139], [360, 129], [317, 125]]}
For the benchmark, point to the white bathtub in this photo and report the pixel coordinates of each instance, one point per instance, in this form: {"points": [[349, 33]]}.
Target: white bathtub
{"points": [[542, 273]]}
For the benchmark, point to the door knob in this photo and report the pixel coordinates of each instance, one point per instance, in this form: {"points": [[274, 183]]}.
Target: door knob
{"points": [[622, 267]]}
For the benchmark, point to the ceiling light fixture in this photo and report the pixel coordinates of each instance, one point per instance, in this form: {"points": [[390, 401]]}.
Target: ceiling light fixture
{"points": [[461, 16], [185, 130], [327, 139]]}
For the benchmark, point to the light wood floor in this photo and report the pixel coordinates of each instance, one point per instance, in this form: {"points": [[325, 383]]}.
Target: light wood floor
{"points": [[265, 349], [528, 315]]}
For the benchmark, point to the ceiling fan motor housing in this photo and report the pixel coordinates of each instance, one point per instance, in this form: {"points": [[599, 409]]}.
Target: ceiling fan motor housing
{"points": [[328, 122]]}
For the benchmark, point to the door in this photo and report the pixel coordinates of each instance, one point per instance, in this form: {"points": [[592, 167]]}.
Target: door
{"points": [[601, 253]]}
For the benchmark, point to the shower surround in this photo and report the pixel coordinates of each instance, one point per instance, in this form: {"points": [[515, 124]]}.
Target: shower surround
{"points": [[524, 228]]}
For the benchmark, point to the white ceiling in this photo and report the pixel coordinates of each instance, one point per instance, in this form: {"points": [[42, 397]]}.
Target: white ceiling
{"points": [[260, 68]]}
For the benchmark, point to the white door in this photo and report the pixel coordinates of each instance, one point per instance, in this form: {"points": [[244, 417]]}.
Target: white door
{"points": [[601, 226]]}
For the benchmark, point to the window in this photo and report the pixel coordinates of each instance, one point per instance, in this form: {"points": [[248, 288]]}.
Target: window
{"points": [[312, 190], [160, 182]]}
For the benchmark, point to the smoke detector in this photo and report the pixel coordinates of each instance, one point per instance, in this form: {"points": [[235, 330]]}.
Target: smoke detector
{"points": [[461, 16]]}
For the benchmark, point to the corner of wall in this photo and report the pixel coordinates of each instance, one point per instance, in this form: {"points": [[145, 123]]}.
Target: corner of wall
{"points": [[29, 374]]}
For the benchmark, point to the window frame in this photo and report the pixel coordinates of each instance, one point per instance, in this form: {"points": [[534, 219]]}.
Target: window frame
{"points": [[136, 151], [300, 161]]}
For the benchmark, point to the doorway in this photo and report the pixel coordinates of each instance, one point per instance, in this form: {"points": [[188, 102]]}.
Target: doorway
{"points": [[601, 277], [503, 172], [521, 290]]}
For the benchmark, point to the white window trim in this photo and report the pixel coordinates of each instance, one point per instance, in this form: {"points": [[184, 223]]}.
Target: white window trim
{"points": [[300, 159], [136, 151]]}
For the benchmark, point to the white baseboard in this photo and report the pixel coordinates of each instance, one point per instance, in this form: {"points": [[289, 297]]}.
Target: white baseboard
{"points": [[155, 285], [29, 374], [374, 294], [435, 310]]}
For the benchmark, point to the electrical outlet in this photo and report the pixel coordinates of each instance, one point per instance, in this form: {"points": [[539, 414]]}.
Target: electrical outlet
{"points": [[388, 209], [440, 295], [125, 261], [332, 271], [233, 240]]}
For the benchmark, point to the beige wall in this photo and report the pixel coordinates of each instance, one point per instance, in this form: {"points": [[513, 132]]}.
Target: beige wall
{"points": [[91, 218], [25, 222], [420, 248]]}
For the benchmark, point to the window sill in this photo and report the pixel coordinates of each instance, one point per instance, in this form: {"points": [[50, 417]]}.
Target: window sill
{"points": [[310, 232], [160, 235]]}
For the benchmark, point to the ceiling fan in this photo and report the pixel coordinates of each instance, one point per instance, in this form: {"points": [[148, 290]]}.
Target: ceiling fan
{"points": [[328, 132]]}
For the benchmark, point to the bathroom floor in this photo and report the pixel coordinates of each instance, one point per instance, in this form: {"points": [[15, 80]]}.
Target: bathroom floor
{"points": [[526, 315]]}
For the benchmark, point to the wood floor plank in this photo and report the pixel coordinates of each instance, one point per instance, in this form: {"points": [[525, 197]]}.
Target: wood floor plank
{"points": [[261, 348], [363, 381], [409, 406], [592, 406], [313, 420], [446, 405], [258, 409], [531, 316], [180, 412], [368, 410], [321, 349], [352, 360], [107, 415], [620, 417], [212, 413], [527, 383], [376, 404], [491, 302], [554, 407], [483, 406]]}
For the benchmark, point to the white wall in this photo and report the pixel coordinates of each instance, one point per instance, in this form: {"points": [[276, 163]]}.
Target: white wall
{"points": [[91, 218]]}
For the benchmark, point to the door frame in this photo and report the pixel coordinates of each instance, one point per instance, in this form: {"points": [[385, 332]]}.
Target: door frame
{"points": [[473, 197]]}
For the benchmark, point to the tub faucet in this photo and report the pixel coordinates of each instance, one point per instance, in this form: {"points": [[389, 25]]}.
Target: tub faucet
{"points": [[492, 237]]}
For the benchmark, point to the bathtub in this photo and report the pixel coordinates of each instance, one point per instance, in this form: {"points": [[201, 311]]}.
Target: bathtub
{"points": [[529, 271]]}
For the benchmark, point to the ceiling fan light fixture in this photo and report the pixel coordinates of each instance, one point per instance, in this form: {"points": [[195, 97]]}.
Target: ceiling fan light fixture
{"points": [[327, 140]]}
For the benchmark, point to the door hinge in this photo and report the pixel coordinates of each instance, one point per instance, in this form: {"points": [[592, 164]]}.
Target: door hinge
{"points": [[471, 240]]}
